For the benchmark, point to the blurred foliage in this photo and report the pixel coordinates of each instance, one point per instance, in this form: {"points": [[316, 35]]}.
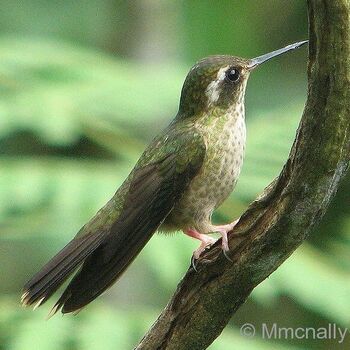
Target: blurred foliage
{"points": [[74, 119]]}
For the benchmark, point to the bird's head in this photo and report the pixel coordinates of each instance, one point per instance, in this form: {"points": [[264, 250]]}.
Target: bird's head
{"points": [[220, 82]]}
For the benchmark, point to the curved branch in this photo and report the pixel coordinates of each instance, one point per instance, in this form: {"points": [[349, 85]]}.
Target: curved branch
{"points": [[280, 219]]}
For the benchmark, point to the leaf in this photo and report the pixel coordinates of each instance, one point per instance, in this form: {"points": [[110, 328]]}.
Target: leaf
{"points": [[310, 278], [54, 87]]}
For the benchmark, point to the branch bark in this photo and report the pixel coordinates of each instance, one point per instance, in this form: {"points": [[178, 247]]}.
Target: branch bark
{"points": [[279, 220]]}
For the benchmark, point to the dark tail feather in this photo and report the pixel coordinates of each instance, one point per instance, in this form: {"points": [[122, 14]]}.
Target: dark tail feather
{"points": [[104, 256], [59, 268], [126, 238], [102, 268]]}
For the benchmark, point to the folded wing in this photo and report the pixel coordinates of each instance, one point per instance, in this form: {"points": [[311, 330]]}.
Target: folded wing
{"points": [[153, 190]]}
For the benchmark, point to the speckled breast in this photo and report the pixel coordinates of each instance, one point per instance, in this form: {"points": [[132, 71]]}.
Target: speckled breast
{"points": [[225, 139]]}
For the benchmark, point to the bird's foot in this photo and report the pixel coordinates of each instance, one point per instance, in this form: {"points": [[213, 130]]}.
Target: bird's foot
{"points": [[223, 230], [206, 241]]}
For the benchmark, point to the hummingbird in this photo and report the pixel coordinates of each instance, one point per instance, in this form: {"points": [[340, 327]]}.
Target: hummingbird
{"points": [[185, 173]]}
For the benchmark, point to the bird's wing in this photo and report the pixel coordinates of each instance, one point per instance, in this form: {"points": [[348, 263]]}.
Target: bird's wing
{"points": [[155, 185]]}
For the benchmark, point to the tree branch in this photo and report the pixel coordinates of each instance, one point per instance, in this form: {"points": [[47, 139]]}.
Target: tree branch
{"points": [[279, 220]]}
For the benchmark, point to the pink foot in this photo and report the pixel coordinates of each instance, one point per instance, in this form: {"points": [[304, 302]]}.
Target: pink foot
{"points": [[208, 241], [223, 230], [205, 241]]}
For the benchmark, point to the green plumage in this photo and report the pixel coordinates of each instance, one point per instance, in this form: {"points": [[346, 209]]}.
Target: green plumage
{"points": [[113, 238], [179, 180]]}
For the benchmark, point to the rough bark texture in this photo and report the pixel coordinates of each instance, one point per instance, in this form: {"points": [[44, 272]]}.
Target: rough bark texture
{"points": [[279, 220]]}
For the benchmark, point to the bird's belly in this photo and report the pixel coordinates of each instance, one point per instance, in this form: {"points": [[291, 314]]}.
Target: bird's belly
{"points": [[215, 181]]}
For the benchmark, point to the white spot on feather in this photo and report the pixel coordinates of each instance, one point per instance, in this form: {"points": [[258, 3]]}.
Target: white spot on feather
{"points": [[38, 303], [212, 90], [53, 311], [24, 295]]}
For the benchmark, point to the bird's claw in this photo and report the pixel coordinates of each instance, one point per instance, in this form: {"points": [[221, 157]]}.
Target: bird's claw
{"points": [[194, 259], [193, 263], [225, 252]]}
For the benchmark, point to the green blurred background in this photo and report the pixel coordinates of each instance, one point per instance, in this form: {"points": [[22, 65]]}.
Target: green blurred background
{"points": [[84, 85]]}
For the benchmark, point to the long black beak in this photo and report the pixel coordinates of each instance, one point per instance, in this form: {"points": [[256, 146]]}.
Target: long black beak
{"points": [[254, 62]]}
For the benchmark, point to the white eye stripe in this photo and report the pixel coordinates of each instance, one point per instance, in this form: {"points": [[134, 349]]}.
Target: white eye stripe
{"points": [[212, 91]]}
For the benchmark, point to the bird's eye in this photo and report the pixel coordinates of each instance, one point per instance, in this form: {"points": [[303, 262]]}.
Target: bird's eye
{"points": [[232, 75]]}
